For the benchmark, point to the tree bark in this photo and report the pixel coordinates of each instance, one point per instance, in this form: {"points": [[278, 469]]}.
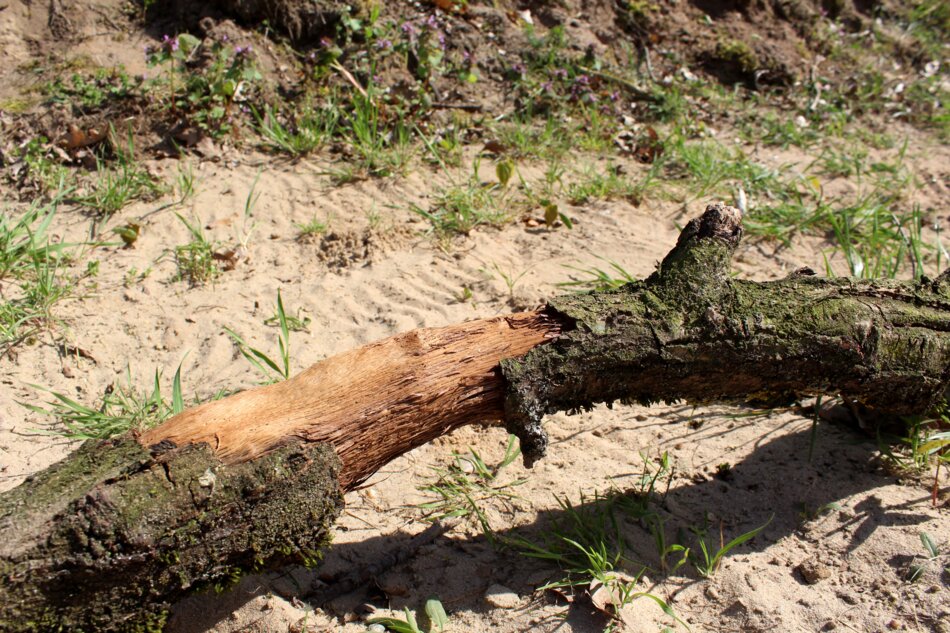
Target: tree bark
{"points": [[109, 537]]}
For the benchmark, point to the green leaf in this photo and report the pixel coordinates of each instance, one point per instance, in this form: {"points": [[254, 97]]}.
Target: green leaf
{"points": [[394, 624], [187, 43], [929, 545], [436, 613], [566, 220], [504, 170], [915, 572], [178, 402]]}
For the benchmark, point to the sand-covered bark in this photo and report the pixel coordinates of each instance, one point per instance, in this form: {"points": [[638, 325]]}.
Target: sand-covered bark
{"points": [[109, 537]]}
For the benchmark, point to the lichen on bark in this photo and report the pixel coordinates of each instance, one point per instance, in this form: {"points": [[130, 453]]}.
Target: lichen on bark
{"points": [[691, 332], [118, 533]]}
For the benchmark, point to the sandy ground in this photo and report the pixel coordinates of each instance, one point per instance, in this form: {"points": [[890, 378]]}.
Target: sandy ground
{"points": [[377, 273], [399, 279]]}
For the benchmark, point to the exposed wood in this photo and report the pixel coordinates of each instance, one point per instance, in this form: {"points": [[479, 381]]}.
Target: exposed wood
{"points": [[373, 403], [106, 539]]}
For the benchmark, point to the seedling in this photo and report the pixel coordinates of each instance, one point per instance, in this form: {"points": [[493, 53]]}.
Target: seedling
{"points": [[467, 483], [114, 188], [598, 279], [271, 370], [709, 562], [932, 555], [195, 260], [510, 279], [300, 134], [122, 408], [435, 614]]}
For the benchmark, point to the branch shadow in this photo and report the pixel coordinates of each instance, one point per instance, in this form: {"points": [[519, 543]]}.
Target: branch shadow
{"points": [[775, 484]]}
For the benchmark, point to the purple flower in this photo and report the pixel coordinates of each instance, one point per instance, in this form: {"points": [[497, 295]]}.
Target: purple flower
{"points": [[384, 45], [431, 22], [582, 80], [408, 28], [325, 42], [243, 51], [560, 73], [518, 69], [170, 44], [547, 86], [224, 38]]}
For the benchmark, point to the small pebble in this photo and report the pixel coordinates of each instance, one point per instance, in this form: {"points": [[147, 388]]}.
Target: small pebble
{"points": [[502, 597]]}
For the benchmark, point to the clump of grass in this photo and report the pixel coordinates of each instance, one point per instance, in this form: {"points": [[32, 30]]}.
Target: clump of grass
{"points": [[598, 279], [460, 208], [122, 408], [303, 133], [468, 482], [311, 229], [587, 543], [32, 277], [606, 185], [114, 187], [380, 149], [196, 260], [707, 560], [25, 239]]}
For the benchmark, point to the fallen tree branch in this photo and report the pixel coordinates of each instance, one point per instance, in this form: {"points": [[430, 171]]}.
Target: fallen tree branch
{"points": [[109, 537]]}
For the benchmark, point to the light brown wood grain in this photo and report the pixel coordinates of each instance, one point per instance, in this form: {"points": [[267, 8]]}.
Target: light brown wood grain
{"points": [[372, 403]]}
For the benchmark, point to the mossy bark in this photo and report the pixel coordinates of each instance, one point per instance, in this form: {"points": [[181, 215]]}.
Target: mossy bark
{"points": [[690, 332], [108, 538]]}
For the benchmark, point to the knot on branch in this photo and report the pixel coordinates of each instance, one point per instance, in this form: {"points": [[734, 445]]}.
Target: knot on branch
{"points": [[698, 266], [718, 221]]}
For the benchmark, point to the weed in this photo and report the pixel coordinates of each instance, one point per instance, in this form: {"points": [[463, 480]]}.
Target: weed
{"points": [[300, 134], [114, 188], [435, 614], [599, 279], [510, 279], [268, 367], [587, 544], [932, 556], [88, 93], [310, 229], [466, 483], [122, 408], [196, 260], [460, 208], [24, 240], [42, 169], [203, 95], [710, 560]]}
